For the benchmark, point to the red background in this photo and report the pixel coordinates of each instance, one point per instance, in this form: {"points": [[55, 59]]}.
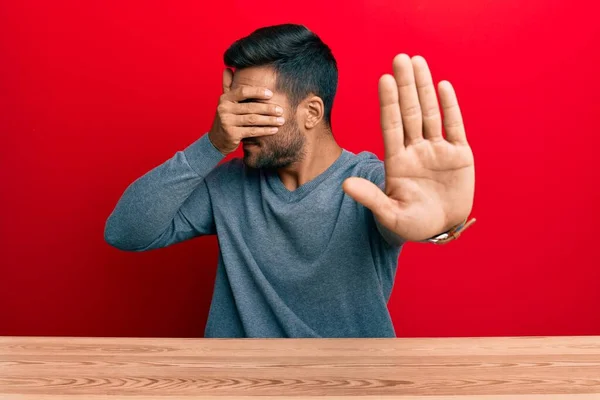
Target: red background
{"points": [[94, 94]]}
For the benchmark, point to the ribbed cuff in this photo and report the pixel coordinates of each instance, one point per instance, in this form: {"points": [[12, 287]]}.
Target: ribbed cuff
{"points": [[202, 155]]}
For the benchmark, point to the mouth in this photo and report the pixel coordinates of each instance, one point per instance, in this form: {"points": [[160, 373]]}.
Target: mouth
{"points": [[247, 143]]}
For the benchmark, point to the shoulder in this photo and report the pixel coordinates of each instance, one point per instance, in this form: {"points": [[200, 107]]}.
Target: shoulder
{"points": [[367, 165]]}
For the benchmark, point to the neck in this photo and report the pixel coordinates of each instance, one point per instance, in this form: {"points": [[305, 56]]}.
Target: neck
{"points": [[320, 151]]}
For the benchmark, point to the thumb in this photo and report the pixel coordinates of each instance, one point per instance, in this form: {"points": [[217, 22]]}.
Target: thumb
{"points": [[227, 79], [371, 196]]}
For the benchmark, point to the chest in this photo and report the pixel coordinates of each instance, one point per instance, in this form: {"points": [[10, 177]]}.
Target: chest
{"points": [[322, 222]]}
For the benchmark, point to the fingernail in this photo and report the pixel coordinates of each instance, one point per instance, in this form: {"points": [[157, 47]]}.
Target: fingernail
{"points": [[280, 120], [279, 110], [268, 93], [273, 130]]}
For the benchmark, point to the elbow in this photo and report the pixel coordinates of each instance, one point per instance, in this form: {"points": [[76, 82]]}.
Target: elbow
{"points": [[111, 238], [122, 239], [115, 236], [112, 241]]}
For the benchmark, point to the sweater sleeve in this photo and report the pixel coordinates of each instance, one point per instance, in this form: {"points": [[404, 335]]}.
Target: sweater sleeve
{"points": [[168, 204]]}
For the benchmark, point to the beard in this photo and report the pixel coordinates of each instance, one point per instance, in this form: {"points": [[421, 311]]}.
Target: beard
{"points": [[280, 150]]}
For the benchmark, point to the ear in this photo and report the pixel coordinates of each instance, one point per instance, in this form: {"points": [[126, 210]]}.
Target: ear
{"points": [[227, 79], [315, 112]]}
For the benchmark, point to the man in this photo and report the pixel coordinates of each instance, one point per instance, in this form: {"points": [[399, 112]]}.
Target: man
{"points": [[309, 233]]}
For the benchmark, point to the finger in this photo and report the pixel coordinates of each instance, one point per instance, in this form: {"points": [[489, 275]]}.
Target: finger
{"points": [[246, 92], [410, 107], [227, 79], [256, 108], [430, 109], [391, 119], [453, 122], [257, 120], [371, 196], [254, 131]]}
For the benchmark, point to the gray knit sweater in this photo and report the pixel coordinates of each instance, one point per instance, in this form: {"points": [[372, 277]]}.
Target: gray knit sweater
{"points": [[305, 263]]}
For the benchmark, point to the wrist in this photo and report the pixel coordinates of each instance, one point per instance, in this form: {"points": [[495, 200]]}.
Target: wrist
{"points": [[452, 233], [215, 143], [202, 156]]}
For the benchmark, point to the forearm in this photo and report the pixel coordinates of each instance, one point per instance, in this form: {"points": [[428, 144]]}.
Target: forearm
{"points": [[148, 206]]}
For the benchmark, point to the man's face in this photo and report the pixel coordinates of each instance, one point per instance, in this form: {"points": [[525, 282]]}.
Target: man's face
{"points": [[284, 147]]}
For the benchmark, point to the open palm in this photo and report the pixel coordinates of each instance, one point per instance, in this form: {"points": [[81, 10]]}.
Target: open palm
{"points": [[429, 178]]}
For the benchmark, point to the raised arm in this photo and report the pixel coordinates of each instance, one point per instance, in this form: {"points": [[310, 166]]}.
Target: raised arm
{"points": [[171, 203]]}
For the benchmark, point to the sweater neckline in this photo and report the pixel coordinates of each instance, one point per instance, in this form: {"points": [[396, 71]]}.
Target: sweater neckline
{"points": [[278, 187]]}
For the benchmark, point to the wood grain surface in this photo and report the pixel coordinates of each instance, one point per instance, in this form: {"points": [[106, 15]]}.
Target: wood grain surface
{"points": [[433, 368]]}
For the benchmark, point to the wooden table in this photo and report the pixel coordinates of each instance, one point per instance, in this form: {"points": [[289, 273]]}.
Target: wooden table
{"points": [[143, 369]]}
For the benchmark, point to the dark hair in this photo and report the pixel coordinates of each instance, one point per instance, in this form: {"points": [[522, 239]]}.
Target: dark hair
{"points": [[303, 64]]}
